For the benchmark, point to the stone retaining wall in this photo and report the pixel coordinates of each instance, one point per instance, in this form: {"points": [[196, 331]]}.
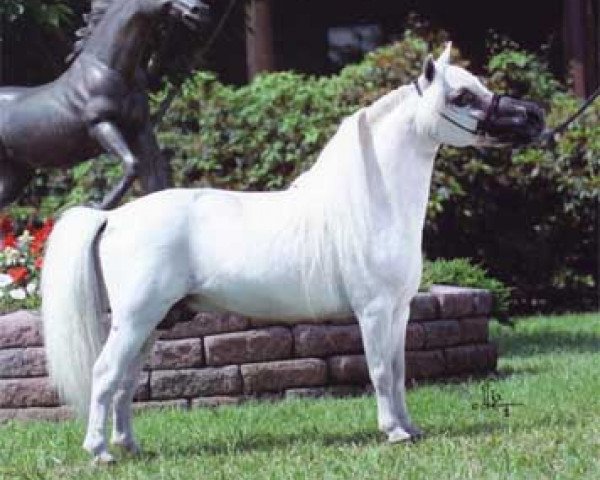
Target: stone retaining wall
{"points": [[225, 359]]}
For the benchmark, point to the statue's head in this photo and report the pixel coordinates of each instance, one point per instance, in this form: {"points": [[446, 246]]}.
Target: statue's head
{"points": [[193, 13]]}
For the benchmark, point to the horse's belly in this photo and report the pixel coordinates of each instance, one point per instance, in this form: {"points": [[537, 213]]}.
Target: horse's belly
{"points": [[275, 298]]}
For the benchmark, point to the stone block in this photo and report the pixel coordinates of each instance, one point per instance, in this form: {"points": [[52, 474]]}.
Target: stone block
{"points": [[249, 346], [27, 392], [51, 414], [172, 354], [455, 302], [441, 333], [206, 324], [475, 359], [483, 301], [22, 362], [335, 391], [217, 401], [326, 340], [281, 375], [20, 329], [424, 306], [425, 364], [179, 404], [348, 370], [474, 330], [191, 383], [415, 336]]}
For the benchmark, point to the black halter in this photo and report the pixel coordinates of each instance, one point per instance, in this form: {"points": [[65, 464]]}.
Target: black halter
{"points": [[482, 125]]}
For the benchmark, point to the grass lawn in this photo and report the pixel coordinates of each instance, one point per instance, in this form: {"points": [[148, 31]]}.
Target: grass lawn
{"points": [[549, 365]]}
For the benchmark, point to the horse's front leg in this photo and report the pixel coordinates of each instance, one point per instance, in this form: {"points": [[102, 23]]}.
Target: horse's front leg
{"points": [[376, 321], [111, 139], [399, 326]]}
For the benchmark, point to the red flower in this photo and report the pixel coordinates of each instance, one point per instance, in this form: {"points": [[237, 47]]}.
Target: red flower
{"points": [[6, 225], [9, 240], [39, 262], [18, 274], [40, 236]]}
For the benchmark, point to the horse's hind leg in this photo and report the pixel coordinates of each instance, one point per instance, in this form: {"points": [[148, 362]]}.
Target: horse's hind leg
{"points": [[122, 435], [13, 179], [120, 351]]}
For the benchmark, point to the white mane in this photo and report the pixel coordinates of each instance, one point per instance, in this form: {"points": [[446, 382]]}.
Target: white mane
{"points": [[387, 103], [335, 211]]}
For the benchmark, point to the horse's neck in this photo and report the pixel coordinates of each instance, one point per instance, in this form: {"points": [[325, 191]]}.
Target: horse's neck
{"points": [[119, 39], [405, 160]]}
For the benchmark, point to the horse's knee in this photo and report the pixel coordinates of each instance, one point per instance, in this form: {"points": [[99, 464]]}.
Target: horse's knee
{"points": [[381, 376]]}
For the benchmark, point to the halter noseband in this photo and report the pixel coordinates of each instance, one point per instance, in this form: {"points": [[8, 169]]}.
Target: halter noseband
{"points": [[482, 125]]}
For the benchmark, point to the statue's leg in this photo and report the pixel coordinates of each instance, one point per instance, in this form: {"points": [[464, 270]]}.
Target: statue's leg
{"points": [[111, 139], [13, 179], [154, 169]]}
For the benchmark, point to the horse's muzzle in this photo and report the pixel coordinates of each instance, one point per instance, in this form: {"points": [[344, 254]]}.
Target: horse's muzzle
{"points": [[513, 121]]}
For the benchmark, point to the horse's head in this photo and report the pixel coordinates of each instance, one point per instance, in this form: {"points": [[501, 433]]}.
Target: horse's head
{"points": [[193, 13], [457, 109]]}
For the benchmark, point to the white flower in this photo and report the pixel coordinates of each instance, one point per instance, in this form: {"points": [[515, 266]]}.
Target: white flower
{"points": [[31, 288], [5, 280], [12, 255], [18, 294], [24, 239]]}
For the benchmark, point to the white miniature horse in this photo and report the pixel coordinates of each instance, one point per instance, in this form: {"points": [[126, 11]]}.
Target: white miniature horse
{"points": [[345, 238]]}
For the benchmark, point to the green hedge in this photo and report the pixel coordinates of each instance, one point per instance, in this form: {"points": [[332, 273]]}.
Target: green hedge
{"points": [[528, 216]]}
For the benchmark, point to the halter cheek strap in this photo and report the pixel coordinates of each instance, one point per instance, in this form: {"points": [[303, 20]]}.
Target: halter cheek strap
{"points": [[481, 124]]}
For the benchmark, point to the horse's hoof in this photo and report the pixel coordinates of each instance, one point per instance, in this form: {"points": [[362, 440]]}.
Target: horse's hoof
{"points": [[415, 432], [398, 435], [104, 458], [131, 448]]}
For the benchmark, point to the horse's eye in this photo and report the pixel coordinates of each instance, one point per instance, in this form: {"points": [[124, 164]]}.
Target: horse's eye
{"points": [[464, 98]]}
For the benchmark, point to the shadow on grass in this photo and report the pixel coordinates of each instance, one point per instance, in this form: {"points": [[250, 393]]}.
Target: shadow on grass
{"points": [[524, 343], [271, 443], [267, 443], [488, 427]]}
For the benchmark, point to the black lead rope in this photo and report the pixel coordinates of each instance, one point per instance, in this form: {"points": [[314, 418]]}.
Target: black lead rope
{"points": [[548, 138]]}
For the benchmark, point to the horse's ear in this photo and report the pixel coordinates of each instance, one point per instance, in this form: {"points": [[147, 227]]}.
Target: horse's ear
{"points": [[429, 68], [445, 56]]}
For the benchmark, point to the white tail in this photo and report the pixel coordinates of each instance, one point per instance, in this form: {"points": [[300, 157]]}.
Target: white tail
{"points": [[72, 305]]}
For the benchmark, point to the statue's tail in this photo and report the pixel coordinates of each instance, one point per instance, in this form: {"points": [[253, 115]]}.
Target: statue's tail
{"points": [[72, 304]]}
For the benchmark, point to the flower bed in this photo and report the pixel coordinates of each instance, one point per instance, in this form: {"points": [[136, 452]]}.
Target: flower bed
{"points": [[21, 259]]}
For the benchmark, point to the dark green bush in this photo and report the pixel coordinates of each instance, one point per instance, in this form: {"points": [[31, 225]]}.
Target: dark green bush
{"points": [[529, 216]]}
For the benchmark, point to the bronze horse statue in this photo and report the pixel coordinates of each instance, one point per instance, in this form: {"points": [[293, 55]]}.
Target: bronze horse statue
{"points": [[98, 105]]}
